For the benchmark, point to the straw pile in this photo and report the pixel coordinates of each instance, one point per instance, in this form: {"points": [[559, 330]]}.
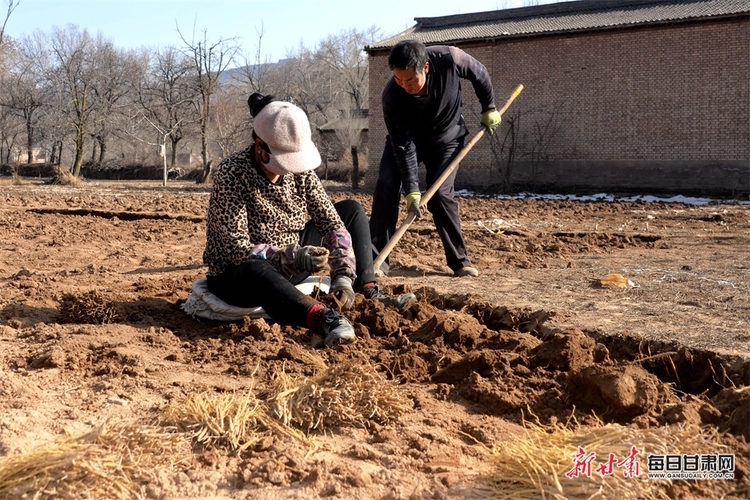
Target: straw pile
{"points": [[535, 466], [233, 420], [108, 462], [114, 461], [90, 308], [350, 393]]}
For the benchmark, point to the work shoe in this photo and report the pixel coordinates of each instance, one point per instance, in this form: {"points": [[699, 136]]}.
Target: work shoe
{"points": [[335, 328], [466, 271], [400, 302]]}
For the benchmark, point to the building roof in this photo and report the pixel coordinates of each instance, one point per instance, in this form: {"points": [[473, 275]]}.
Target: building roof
{"points": [[561, 17]]}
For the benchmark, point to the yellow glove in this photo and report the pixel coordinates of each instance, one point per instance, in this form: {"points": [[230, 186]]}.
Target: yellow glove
{"points": [[491, 119], [412, 203]]}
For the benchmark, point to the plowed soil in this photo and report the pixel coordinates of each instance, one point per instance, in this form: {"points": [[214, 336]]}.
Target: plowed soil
{"points": [[537, 333]]}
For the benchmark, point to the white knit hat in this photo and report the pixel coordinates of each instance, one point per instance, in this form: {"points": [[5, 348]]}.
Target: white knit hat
{"points": [[286, 130]]}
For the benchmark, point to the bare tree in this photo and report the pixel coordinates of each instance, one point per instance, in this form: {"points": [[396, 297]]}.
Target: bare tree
{"points": [[210, 60], [257, 69], [166, 96], [504, 150], [11, 7], [74, 71], [115, 69], [25, 87], [10, 129], [350, 133], [310, 85], [232, 119], [346, 63], [344, 55]]}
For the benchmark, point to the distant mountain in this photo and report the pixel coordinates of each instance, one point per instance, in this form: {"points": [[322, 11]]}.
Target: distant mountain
{"points": [[240, 72]]}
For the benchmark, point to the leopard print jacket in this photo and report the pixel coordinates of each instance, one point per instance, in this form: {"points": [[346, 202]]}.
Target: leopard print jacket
{"points": [[251, 217]]}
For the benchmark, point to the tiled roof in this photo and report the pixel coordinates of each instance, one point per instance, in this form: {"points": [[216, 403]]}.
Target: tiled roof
{"points": [[571, 16]]}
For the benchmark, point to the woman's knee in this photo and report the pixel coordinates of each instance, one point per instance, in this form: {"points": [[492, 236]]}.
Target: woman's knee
{"points": [[349, 208]]}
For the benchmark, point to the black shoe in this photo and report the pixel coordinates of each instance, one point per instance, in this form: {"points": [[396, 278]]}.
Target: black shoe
{"points": [[335, 328], [400, 302]]}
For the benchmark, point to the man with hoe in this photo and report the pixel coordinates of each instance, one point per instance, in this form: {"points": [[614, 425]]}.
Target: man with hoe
{"points": [[422, 111]]}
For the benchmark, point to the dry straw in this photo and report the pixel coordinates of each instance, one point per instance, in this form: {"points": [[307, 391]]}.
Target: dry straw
{"points": [[114, 461], [236, 421], [64, 177], [88, 308], [535, 466], [108, 462], [350, 393]]}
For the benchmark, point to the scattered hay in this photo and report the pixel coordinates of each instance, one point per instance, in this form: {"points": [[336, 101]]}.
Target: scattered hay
{"points": [[231, 420], [536, 466], [63, 177], [15, 178], [350, 393], [108, 462], [90, 308]]}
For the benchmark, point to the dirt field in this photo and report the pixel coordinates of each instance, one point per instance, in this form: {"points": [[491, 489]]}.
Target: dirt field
{"points": [[535, 336]]}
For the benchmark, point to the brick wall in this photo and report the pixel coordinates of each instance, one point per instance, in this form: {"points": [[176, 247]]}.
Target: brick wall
{"points": [[655, 109]]}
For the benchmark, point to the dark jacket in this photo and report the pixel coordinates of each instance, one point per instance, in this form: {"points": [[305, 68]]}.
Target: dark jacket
{"points": [[417, 122]]}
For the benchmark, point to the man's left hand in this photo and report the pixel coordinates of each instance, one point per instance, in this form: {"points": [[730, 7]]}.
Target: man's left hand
{"points": [[491, 119]]}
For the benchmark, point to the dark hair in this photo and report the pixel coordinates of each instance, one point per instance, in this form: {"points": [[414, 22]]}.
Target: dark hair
{"points": [[257, 101], [408, 54]]}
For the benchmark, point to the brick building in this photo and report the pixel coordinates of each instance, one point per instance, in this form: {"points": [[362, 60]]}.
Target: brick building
{"points": [[622, 96]]}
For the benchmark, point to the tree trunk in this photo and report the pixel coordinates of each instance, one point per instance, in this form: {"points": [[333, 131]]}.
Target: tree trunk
{"points": [[59, 152], [174, 151], [29, 142], [355, 168], [80, 142], [204, 138], [206, 173], [102, 150]]}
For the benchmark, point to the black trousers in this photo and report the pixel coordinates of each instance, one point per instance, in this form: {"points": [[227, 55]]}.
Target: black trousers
{"points": [[443, 205], [257, 283]]}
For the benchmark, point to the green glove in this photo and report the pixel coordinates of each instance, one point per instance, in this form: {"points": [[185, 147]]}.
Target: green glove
{"points": [[491, 119], [412, 203]]}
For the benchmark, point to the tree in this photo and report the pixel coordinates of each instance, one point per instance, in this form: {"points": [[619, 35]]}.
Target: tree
{"points": [[74, 71], [165, 96], [349, 131], [344, 57], [25, 87], [11, 7], [256, 72], [111, 88], [209, 60], [231, 123]]}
